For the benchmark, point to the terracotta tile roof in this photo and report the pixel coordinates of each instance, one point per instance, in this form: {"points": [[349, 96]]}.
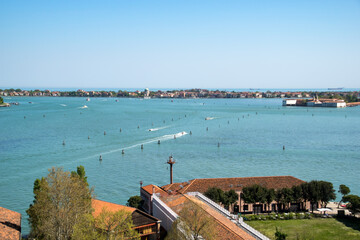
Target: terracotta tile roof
{"points": [[149, 189], [225, 229], [98, 206], [139, 217], [203, 184], [10, 224]]}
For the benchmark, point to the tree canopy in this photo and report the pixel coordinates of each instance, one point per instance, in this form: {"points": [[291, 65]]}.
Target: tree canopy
{"points": [[135, 201], [254, 194], [344, 190], [353, 203], [60, 199], [219, 196], [106, 226]]}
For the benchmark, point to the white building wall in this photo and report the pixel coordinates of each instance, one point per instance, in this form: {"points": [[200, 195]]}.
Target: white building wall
{"points": [[163, 212]]}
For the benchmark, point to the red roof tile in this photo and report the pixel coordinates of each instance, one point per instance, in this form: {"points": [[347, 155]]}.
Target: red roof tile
{"points": [[10, 224], [203, 184]]}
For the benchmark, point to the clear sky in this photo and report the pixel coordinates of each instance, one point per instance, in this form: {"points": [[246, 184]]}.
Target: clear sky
{"points": [[180, 44]]}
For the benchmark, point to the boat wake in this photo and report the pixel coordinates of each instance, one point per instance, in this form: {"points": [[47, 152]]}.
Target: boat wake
{"points": [[83, 107], [153, 140], [209, 118], [64, 105], [157, 129]]}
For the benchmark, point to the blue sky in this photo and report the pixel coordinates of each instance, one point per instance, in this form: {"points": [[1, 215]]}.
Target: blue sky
{"points": [[180, 44]]}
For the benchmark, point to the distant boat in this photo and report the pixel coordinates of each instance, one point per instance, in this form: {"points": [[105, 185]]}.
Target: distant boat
{"points": [[339, 88], [84, 106], [147, 97], [88, 99]]}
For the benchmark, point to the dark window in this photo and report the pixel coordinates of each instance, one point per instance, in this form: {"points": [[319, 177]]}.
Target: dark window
{"points": [[246, 207]]}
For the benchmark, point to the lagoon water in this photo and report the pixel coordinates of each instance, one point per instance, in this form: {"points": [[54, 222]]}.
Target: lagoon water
{"points": [[320, 143]]}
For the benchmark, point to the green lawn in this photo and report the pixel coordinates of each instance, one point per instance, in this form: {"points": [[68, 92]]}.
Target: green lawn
{"points": [[315, 228]]}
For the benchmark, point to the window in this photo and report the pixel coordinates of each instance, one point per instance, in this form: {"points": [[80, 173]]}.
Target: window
{"points": [[246, 207]]}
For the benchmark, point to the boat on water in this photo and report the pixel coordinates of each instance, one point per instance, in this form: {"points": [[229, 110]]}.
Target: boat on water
{"points": [[339, 88], [84, 106], [88, 99]]}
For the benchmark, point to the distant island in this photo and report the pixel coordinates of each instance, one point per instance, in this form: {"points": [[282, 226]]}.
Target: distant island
{"points": [[352, 96]]}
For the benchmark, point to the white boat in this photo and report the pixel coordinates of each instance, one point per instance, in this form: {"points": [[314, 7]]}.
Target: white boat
{"points": [[84, 106]]}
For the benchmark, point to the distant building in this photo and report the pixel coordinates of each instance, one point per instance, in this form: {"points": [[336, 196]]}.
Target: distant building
{"points": [[10, 224], [289, 102], [315, 102], [146, 93], [147, 226]]}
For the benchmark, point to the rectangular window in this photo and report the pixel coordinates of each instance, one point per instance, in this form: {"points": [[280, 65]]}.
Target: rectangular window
{"points": [[246, 207]]}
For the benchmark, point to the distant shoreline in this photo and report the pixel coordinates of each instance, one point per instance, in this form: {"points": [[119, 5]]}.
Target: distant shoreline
{"points": [[349, 96]]}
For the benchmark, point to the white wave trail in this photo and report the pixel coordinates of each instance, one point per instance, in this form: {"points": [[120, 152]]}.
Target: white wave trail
{"points": [[83, 107], [64, 105], [153, 140], [210, 118], [157, 129]]}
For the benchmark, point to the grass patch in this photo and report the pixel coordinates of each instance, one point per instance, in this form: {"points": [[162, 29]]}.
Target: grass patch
{"points": [[315, 228]]}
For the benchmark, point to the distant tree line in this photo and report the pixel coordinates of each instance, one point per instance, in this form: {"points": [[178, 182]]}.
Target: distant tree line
{"points": [[314, 192]]}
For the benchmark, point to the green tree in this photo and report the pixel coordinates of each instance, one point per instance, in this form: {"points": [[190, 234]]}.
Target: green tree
{"points": [[85, 228], [215, 194], [254, 194], [327, 192], [135, 201], [80, 172], [270, 196], [1, 100], [230, 197], [353, 203], [283, 196], [311, 192], [107, 225], [60, 200], [344, 190], [297, 194], [116, 225], [194, 223]]}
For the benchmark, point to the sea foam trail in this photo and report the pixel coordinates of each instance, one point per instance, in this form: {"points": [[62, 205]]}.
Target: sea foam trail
{"points": [[157, 129], [64, 105], [210, 118], [153, 140]]}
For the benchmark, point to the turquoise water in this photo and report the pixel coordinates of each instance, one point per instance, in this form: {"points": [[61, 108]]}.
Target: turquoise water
{"points": [[321, 143]]}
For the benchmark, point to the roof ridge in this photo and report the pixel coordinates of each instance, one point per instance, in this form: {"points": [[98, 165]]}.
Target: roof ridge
{"points": [[192, 181], [245, 177]]}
